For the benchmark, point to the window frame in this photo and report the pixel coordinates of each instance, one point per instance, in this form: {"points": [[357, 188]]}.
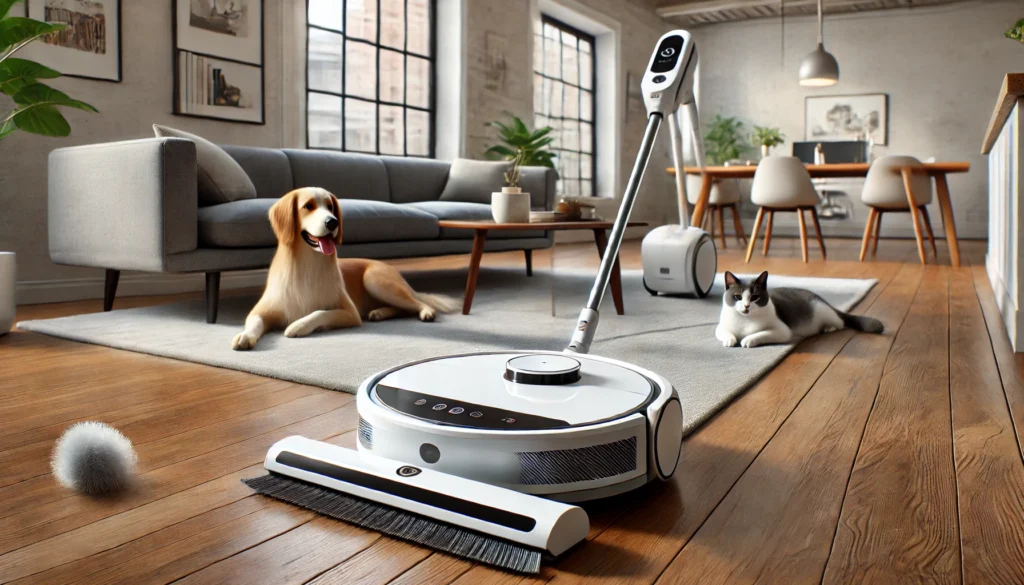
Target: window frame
{"points": [[546, 19], [431, 109]]}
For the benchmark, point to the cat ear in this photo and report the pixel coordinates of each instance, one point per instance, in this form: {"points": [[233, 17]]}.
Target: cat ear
{"points": [[762, 279], [730, 279]]}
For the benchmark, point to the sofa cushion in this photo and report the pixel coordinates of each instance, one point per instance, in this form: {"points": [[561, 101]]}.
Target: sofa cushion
{"points": [[415, 179], [347, 175], [221, 179], [473, 181], [246, 224], [453, 210], [268, 168]]}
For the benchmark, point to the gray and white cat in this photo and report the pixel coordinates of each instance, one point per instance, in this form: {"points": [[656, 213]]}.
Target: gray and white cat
{"points": [[752, 315]]}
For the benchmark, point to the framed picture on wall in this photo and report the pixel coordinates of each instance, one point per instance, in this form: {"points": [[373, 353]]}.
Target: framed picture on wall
{"points": [[218, 59], [847, 117], [90, 46]]}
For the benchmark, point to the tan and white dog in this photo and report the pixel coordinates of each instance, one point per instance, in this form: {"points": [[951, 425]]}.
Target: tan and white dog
{"points": [[309, 289]]}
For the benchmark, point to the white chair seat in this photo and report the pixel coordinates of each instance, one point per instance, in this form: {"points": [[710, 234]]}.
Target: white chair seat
{"points": [[723, 191], [782, 182], [884, 188]]}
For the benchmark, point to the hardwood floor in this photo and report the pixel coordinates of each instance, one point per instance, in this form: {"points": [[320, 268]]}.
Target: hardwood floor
{"points": [[861, 458]]}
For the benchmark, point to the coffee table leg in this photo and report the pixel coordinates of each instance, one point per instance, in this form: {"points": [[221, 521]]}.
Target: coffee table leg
{"points": [[601, 239], [479, 238]]}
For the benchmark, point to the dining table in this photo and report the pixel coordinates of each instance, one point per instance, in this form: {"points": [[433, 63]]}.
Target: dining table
{"points": [[935, 170]]}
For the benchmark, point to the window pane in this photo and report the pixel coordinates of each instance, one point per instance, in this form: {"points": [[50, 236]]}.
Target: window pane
{"points": [[392, 23], [418, 81], [552, 52], [556, 133], [419, 27], [325, 13], [571, 103], [570, 67], [586, 166], [324, 60], [323, 122], [361, 70], [586, 106], [538, 53], [546, 97], [392, 76], [571, 135], [586, 137], [556, 99], [586, 69], [571, 165], [360, 125], [587, 188], [361, 19], [538, 94], [392, 133], [417, 132], [572, 187]]}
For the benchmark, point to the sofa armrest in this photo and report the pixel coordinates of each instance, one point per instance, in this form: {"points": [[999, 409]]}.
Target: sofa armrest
{"points": [[123, 205], [541, 184]]}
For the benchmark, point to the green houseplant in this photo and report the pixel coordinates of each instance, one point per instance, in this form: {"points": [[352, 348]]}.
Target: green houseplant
{"points": [[34, 104], [767, 137], [724, 140], [1016, 31], [518, 141]]}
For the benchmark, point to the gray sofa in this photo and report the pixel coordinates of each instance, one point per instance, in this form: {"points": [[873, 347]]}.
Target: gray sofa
{"points": [[133, 206]]}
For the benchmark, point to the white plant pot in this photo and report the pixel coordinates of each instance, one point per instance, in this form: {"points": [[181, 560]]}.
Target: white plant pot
{"points": [[8, 275], [510, 206]]}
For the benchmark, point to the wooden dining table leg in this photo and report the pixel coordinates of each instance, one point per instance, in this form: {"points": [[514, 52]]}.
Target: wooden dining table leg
{"points": [[914, 214], [479, 239], [942, 193], [702, 201], [601, 239]]}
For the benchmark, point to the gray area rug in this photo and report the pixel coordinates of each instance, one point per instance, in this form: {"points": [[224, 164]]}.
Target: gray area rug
{"points": [[669, 335]]}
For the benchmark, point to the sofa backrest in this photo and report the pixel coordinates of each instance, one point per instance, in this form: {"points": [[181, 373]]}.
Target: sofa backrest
{"points": [[416, 179], [268, 168]]}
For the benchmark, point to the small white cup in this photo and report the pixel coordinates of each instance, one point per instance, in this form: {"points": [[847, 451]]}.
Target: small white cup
{"points": [[8, 276], [510, 206]]}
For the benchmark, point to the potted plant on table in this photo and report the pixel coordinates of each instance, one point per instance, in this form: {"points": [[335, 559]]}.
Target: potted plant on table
{"points": [[518, 141], [767, 138], [1016, 31], [34, 109], [511, 205]]}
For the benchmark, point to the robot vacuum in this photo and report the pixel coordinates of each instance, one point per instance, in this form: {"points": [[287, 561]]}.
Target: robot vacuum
{"points": [[565, 426]]}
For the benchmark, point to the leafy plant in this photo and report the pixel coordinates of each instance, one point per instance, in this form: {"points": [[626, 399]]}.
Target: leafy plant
{"points": [[512, 176], [1016, 32], [35, 104], [724, 140], [530, 146], [765, 136]]}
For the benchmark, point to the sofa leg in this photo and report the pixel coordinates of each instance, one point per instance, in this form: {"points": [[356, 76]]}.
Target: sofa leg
{"points": [[110, 288], [529, 262], [212, 295]]}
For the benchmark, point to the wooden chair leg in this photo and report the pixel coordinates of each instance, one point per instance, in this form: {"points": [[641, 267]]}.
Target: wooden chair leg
{"points": [[914, 215], [817, 230], [878, 230], [212, 296], [872, 214], [753, 234], [931, 234], [768, 232], [721, 225], [803, 232], [741, 237], [110, 288]]}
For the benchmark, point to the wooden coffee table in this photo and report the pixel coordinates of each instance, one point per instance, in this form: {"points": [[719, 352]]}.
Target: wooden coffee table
{"points": [[480, 229]]}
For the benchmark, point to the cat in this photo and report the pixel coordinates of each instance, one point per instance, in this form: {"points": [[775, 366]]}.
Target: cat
{"points": [[752, 315]]}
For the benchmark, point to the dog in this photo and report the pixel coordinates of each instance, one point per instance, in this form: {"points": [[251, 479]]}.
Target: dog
{"points": [[309, 289]]}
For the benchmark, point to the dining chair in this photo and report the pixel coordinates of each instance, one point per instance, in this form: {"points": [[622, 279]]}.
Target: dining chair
{"points": [[781, 183], [886, 190], [725, 193]]}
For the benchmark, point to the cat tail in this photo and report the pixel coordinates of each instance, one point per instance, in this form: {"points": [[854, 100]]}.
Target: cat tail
{"points": [[861, 323]]}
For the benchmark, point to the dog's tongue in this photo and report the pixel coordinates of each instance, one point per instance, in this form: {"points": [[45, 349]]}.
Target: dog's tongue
{"points": [[326, 245]]}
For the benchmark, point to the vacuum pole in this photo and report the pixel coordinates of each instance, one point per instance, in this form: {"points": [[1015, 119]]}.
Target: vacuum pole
{"points": [[677, 161], [587, 324]]}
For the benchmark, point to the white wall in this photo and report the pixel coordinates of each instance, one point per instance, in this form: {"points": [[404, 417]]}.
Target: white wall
{"points": [[942, 68]]}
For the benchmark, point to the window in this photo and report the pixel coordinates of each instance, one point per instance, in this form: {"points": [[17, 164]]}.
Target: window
{"points": [[563, 98], [370, 76]]}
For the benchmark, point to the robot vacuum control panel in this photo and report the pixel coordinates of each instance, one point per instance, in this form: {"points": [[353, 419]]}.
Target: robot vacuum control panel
{"points": [[514, 391]]}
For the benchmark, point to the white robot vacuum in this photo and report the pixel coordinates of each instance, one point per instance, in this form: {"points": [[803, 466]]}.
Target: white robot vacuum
{"points": [[680, 258], [563, 425]]}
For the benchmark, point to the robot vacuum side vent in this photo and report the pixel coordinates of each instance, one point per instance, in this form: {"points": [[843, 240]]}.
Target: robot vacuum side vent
{"points": [[365, 434], [575, 465]]}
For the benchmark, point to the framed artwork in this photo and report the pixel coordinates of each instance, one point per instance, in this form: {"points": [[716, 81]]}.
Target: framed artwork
{"points": [[218, 59], [847, 117], [90, 46]]}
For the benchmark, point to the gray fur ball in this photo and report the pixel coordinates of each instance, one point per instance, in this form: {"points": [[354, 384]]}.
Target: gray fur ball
{"points": [[93, 458]]}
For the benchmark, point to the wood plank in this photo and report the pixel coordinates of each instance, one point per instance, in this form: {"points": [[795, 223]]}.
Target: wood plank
{"points": [[899, 518], [762, 531], [646, 538], [1009, 93]]}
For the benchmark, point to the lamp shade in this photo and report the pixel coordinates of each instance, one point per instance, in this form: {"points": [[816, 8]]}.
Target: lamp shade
{"points": [[819, 68]]}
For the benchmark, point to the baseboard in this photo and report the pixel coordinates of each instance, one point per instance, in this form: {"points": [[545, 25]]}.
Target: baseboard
{"points": [[1013, 319], [35, 292]]}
